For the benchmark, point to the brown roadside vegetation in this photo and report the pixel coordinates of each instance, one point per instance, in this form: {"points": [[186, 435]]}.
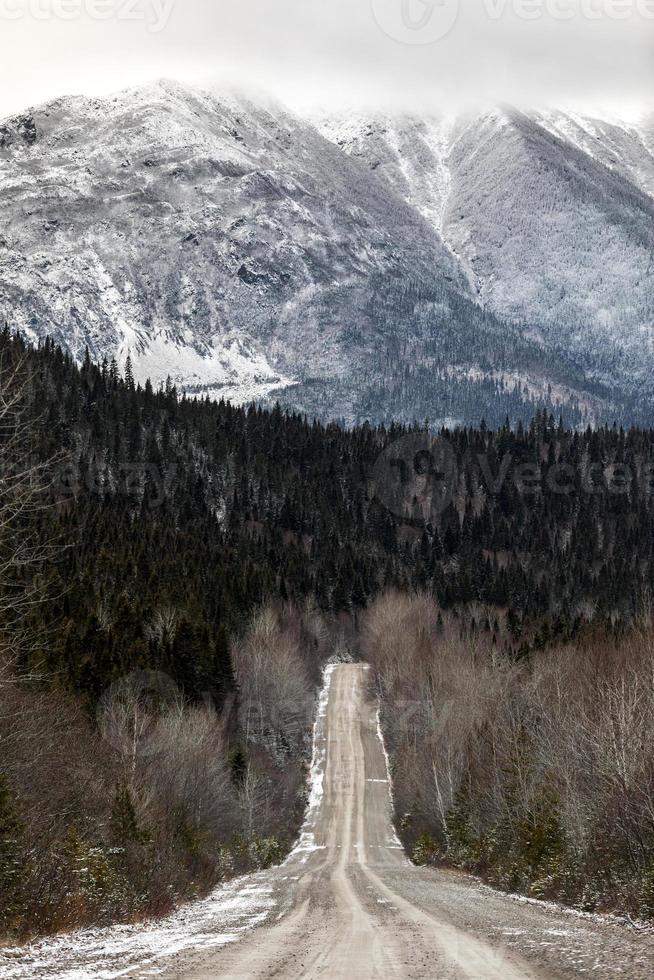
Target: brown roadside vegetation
{"points": [[536, 774]]}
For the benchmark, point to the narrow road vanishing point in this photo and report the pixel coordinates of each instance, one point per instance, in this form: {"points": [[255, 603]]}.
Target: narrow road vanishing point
{"points": [[351, 905], [347, 902]]}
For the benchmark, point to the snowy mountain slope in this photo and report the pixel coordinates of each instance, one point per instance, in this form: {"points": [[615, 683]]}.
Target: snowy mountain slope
{"points": [[553, 236], [369, 268], [177, 226], [551, 216], [410, 152], [623, 149]]}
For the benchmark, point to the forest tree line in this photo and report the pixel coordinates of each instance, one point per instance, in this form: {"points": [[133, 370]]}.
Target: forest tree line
{"points": [[158, 549]]}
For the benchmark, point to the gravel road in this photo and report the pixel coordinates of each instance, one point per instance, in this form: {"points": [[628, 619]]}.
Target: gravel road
{"points": [[347, 902]]}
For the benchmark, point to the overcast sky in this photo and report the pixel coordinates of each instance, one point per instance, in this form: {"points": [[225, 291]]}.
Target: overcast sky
{"points": [[590, 54]]}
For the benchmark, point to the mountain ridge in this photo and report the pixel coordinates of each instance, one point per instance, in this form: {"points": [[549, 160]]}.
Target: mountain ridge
{"points": [[490, 160], [241, 250]]}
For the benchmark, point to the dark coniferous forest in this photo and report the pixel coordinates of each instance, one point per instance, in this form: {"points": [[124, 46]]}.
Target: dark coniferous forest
{"points": [[159, 500], [171, 536]]}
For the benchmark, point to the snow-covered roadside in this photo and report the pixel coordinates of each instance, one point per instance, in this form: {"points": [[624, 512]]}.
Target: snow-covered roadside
{"points": [[118, 950], [394, 841], [600, 918], [307, 840], [143, 948]]}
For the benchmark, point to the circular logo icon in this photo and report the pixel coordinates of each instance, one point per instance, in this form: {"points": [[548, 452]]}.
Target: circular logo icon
{"points": [[415, 477], [416, 21]]}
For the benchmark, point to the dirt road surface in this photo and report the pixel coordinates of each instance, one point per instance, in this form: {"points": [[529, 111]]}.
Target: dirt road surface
{"points": [[347, 902]]}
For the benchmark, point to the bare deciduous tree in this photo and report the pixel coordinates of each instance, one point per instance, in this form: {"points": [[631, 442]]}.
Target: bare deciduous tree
{"points": [[26, 485], [539, 773]]}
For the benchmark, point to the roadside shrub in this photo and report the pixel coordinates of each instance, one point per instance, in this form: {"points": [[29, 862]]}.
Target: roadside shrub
{"points": [[535, 772]]}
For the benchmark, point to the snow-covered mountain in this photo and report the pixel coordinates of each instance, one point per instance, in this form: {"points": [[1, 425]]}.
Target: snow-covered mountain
{"points": [[550, 215], [355, 268], [179, 226]]}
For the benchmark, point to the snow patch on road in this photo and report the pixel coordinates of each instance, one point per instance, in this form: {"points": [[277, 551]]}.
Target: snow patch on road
{"points": [[307, 841], [318, 760], [395, 841]]}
